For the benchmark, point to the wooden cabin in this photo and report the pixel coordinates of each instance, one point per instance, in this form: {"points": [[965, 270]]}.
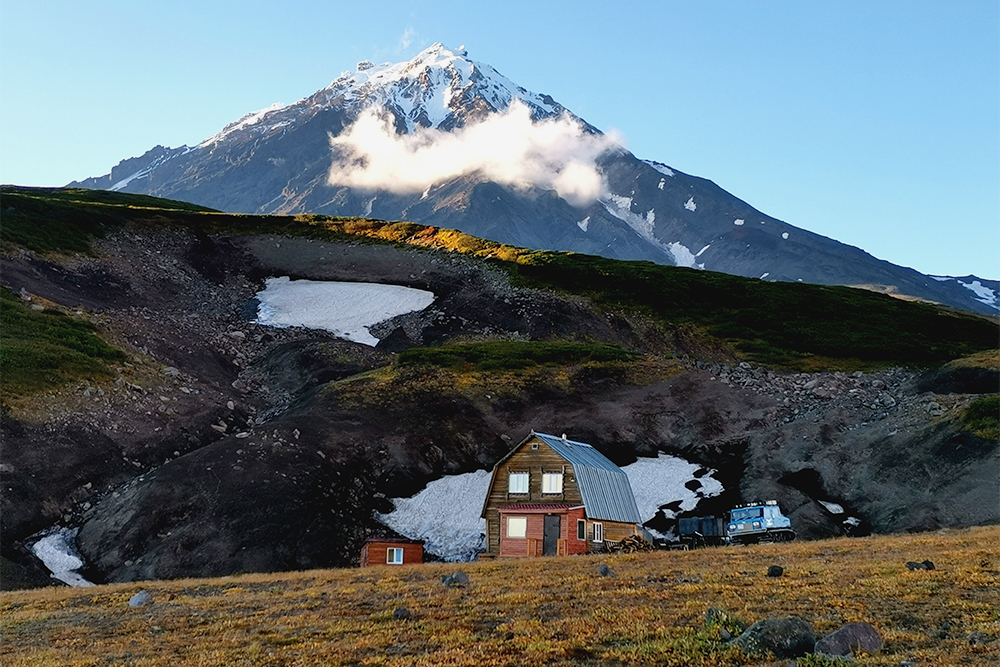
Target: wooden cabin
{"points": [[391, 551], [552, 496]]}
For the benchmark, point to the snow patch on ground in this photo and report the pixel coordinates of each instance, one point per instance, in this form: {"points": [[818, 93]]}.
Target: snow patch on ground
{"points": [[662, 168], [983, 293], [690, 205], [656, 482], [57, 550], [683, 256], [583, 223], [738, 223], [452, 530], [368, 207], [345, 309], [832, 508], [942, 279], [662, 182], [455, 531], [784, 235], [765, 275], [621, 208], [703, 250]]}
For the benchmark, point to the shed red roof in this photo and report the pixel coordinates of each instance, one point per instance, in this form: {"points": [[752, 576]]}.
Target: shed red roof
{"points": [[394, 540], [537, 508]]}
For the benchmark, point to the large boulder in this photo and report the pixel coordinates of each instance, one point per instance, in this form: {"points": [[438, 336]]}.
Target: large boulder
{"points": [[789, 637]]}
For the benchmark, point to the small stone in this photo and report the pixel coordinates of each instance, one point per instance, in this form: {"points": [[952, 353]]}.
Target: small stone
{"points": [[458, 578], [140, 599], [925, 565], [977, 638], [605, 571], [230, 405], [775, 571], [401, 614]]}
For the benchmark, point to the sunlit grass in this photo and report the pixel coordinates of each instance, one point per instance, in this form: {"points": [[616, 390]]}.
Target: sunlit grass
{"points": [[555, 611]]}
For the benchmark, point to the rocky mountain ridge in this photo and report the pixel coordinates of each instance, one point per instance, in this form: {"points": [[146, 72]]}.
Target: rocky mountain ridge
{"points": [[289, 159]]}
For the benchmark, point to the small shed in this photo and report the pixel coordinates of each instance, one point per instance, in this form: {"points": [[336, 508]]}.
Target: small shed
{"points": [[551, 496], [391, 551]]}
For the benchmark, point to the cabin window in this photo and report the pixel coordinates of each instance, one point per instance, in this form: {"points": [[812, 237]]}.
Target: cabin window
{"points": [[517, 526], [598, 532], [581, 529], [394, 556], [552, 482], [518, 482]]}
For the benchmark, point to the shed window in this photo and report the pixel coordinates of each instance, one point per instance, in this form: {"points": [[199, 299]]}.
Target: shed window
{"points": [[552, 482], [394, 556], [518, 482], [581, 529], [598, 532], [517, 526]]}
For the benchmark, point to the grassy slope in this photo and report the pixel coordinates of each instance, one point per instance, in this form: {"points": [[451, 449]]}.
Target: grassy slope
{"points": [[551, 611], [795, 326], [45, 349]]}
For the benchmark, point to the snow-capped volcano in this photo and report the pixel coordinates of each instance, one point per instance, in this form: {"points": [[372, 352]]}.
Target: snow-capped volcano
{"points": [[439, 88], [447, 141]]}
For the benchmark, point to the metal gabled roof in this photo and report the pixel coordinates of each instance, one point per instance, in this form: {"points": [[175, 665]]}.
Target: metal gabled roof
{"points": [[605, 488]]}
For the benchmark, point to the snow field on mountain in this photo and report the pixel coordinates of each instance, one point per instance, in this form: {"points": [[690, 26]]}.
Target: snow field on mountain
{"points": [[446, 514], [345, 309]]}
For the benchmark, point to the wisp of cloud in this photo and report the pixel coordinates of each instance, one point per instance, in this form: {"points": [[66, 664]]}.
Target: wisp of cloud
{"points": [[506, 148]]}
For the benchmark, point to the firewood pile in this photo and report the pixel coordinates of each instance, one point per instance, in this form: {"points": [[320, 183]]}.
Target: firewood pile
{"points": [[630, 545]]}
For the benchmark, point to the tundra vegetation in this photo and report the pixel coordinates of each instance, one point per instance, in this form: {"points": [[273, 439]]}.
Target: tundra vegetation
{"points": [[544, 611]]}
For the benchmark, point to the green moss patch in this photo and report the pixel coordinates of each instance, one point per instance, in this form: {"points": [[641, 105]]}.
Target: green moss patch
{"points": [[42, 350]]}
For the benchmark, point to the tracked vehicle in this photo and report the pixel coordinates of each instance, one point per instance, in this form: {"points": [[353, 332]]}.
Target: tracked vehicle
{"points": [[759, 522]]}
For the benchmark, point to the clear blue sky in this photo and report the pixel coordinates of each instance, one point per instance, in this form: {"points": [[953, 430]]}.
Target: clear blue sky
{"points": [[875, 123]]}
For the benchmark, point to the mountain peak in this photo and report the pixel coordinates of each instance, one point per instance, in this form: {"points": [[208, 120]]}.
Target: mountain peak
{"points": [[440, 87]]}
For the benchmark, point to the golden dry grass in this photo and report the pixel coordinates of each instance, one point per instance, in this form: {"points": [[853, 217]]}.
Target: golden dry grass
{"points": [[554, 611]]}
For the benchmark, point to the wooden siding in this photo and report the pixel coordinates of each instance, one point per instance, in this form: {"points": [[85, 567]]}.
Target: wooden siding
{"points": [[375, 552], [532, 543], [612, 531], [534, 462]]}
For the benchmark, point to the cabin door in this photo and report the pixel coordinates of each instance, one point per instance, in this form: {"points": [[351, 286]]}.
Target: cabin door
{"points": [[550, 537]]}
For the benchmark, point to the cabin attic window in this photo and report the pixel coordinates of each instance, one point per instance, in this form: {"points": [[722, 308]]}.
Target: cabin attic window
{"points": [[598, 532], [394, 556], [518, 482], [517, 526], [552, 482]]}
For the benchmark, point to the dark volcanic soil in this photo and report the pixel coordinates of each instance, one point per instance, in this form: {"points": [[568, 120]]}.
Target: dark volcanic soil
{"points": [[223, 446]]}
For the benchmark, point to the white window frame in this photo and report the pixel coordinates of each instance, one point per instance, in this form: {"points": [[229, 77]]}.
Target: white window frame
{"points": [[552, 483], [519, 475], [598, 531], [517, 527], [394, 556]]}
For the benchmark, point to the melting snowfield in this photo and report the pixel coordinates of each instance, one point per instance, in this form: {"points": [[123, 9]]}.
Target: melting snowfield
{"points": [[345, 309], [57, 550], [455, 531]]}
